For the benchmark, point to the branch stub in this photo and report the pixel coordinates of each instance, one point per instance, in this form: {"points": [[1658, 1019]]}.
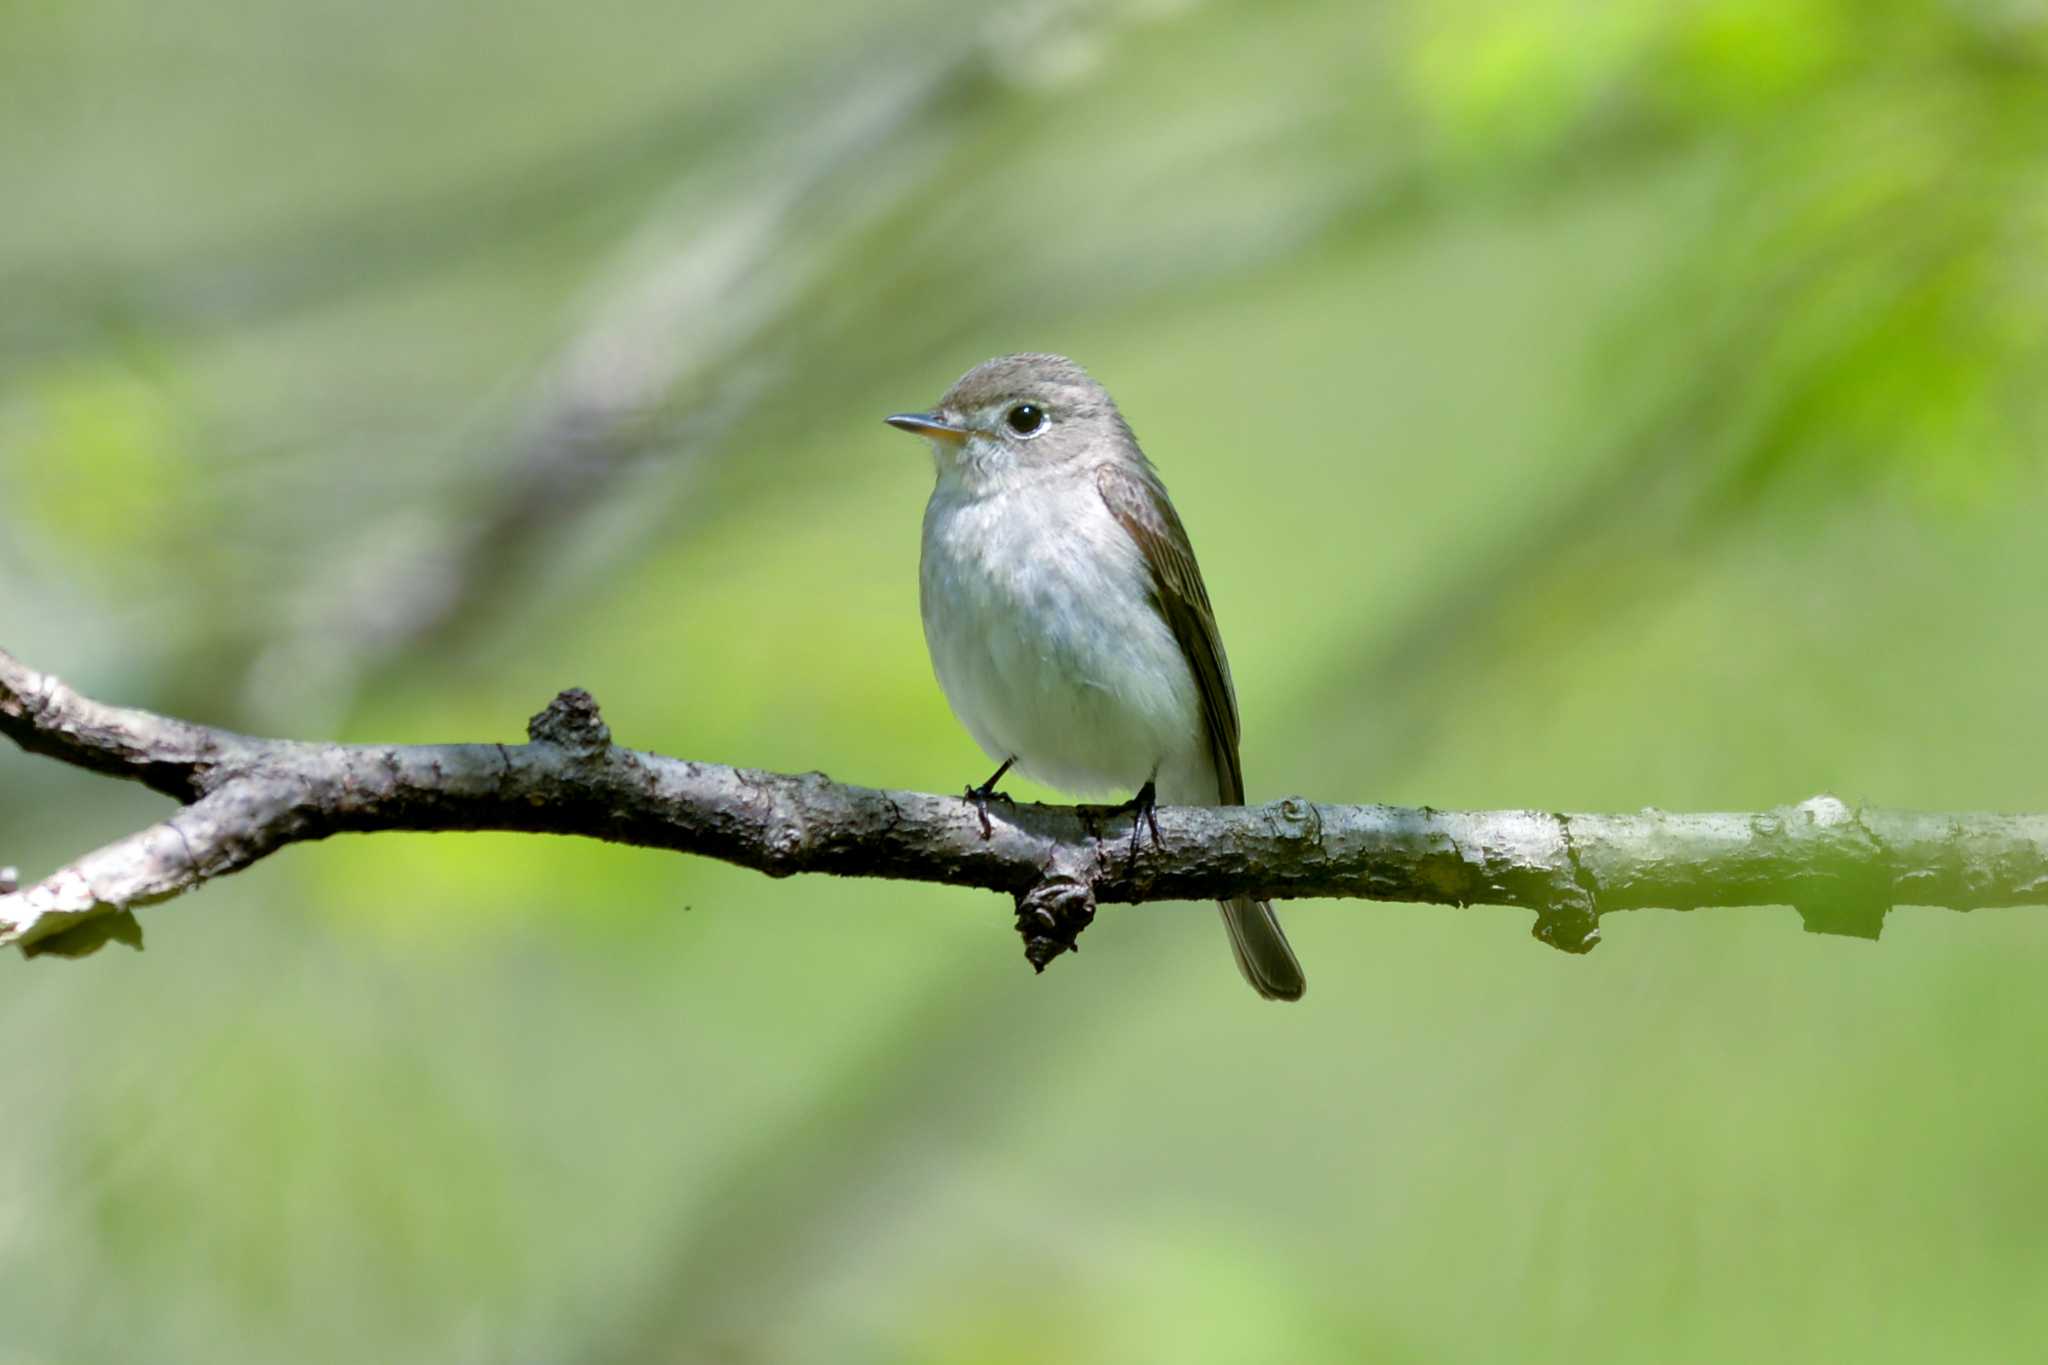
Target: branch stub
{"points": [[1051, 916], [572, 722]]}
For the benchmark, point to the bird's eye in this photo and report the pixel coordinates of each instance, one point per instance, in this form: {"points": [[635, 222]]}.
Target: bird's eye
{"points": [[1026, 419]]}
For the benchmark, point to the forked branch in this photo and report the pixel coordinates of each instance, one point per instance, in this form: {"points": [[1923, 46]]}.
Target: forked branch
{"points": [[243, 798]]}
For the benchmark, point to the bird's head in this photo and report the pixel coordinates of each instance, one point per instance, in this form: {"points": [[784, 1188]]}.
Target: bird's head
{"points": [[1017, 415]]}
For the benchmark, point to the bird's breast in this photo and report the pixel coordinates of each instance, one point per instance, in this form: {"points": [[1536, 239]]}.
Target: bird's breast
{"points": [[1039, 615]]}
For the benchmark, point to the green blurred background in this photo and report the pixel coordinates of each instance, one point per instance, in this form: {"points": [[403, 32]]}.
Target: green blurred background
{"points": [[1575, 405]]}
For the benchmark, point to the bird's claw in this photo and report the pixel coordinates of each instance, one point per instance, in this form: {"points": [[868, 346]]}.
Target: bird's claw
{"points": [[1146, 804], [1141, 808], [979, 797]]}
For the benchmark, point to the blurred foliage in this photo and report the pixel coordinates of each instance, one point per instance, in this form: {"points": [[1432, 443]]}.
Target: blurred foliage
{"points": [[1576, 405]]}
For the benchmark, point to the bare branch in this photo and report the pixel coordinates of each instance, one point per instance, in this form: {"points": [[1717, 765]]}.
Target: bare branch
{"points": [[1843, 868], [45, 716]]}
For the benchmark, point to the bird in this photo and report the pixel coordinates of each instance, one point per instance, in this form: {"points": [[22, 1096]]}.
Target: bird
{"points": [[1066, 616]]}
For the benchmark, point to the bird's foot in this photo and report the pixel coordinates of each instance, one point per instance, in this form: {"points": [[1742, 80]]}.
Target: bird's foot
{"points": [[979, 797], [1141, 808]]}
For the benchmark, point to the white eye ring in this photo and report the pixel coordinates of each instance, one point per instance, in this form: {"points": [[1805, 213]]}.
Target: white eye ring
{"points": [[1026, 420]]}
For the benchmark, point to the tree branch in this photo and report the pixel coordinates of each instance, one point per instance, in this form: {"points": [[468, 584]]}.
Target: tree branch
{"points": [[244, 798]]}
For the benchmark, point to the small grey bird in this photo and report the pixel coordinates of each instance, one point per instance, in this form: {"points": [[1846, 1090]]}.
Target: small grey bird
{"points": [[1065, 615]]}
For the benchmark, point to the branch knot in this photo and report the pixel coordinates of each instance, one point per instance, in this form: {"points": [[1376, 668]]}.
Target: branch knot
{"points": [[1051, 916], [572, 722]]}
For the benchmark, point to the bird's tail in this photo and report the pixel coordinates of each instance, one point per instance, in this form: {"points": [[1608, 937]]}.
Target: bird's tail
{"points": [[1262, 952]]}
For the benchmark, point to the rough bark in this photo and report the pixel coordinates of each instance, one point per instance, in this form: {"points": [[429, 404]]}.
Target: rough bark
{"points": [[243, 798]]}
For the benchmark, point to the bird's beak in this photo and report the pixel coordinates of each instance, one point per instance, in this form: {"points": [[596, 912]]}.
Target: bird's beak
{"points": [[925, 424]]}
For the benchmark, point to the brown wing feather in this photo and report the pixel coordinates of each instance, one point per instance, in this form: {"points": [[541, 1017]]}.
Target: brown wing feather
{"points": [[1138, 500]]}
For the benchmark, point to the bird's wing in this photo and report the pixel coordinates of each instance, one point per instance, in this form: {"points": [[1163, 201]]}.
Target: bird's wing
{"points": [[1138, 500]]}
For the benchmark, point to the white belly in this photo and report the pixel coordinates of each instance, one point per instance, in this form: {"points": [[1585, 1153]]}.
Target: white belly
{"points": [[1037, 613]]}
